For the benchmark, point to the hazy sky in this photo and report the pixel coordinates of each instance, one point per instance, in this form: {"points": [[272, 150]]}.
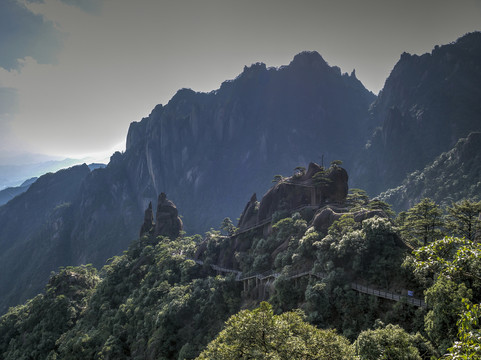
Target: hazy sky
{"points": [[75, 73]]}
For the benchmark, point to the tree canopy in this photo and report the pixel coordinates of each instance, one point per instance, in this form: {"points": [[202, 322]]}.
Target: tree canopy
{"points": [[259, 334]]}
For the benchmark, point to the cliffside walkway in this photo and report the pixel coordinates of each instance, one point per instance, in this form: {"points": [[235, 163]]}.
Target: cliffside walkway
{"points": [[271, 275], [387, 295]]}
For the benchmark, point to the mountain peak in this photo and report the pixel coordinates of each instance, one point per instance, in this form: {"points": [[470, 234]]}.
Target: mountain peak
{"points": [[308, 58]]}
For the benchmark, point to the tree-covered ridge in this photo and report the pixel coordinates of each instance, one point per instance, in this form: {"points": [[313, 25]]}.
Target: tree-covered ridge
{"points": [[152, 302], [31, 331], [259, 334], [159, 301], [451, 177]]}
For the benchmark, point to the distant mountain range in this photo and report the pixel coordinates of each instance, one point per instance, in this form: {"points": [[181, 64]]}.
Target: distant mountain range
{"points": [[9, 193], [16, 169], [210, 151]]}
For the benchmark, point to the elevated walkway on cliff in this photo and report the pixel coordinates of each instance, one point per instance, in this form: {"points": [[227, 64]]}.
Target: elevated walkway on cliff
{"points": [[269, 277]]}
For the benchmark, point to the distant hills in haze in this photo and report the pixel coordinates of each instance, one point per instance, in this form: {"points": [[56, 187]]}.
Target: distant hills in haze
{"points": [[9, 193], [210, 151], [17, 168]]}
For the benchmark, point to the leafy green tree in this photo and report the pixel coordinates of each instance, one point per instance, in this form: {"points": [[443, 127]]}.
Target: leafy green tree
{"points": [[468, 345], [259, 334], [450, 257], [321, 178], [445, 300], [335, 163], [277, 179], [422, 223], [451, 267], [389, 342], [357, 198], [377, 204], [228, 226], [463, 219]]}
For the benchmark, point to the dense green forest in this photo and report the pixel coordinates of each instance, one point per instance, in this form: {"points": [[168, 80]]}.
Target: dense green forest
{"points": [[291, 294]]}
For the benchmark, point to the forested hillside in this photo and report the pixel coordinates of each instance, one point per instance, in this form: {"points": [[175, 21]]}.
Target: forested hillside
{"points": [[170, 298], [452, 176]]}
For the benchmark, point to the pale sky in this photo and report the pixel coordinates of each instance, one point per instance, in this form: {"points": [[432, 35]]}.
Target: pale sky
{"points": [[75, 73]]}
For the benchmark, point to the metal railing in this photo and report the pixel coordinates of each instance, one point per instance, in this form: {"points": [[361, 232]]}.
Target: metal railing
{"points": [[294, 275]]}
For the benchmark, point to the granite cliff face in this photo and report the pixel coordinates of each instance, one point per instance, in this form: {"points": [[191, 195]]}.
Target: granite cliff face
{"points": [[427, 104], [208, 151]]}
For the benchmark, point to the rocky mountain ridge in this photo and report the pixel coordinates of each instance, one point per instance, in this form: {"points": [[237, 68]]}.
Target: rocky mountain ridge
{"points": [[210, 151], [427, 104]]}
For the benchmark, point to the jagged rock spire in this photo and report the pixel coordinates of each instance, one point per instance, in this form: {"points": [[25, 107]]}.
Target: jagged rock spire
{"points": [[167, 221], [148, 221]]}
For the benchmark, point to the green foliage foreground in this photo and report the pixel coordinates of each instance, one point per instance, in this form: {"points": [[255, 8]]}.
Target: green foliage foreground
{"points": [[151, 303], [259, 334], [154, 302]]}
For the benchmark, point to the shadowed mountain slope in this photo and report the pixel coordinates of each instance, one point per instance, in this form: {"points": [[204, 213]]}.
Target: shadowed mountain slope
{"points": [[427, 104], [207, 151]]}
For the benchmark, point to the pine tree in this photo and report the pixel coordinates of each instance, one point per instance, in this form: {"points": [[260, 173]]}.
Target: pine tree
{"points": [[463, 219], [423, 222]]}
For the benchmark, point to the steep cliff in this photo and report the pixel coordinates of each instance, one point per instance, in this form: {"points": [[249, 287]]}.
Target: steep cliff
{"points": [[427, 104], [208, 151]]}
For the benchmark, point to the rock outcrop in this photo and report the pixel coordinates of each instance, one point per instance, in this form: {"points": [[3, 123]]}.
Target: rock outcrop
{"points": [[167, 220], [148, 224], [312, 188], [248, 217]]}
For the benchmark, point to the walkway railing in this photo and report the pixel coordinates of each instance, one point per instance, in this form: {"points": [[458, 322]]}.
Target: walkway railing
{"points": [[355, 286], [387, 295]]}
